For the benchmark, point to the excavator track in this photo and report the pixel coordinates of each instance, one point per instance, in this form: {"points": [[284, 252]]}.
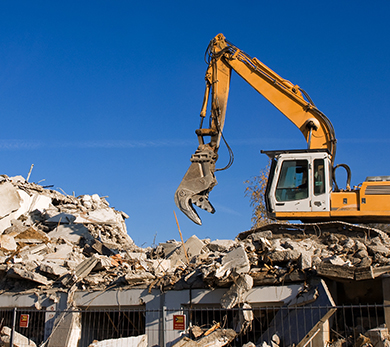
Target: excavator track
{"points": [[299, 230]]}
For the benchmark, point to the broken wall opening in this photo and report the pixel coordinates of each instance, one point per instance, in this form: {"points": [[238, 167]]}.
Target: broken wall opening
{"points": [[207, 316], [350, 320], [109, 324]]}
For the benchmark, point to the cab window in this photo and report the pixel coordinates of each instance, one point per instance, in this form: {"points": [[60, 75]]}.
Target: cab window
{"points": [[292, 183], [319, 177]]}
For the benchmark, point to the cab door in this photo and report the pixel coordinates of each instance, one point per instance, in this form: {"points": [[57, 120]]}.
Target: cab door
{"points": [[291, 192], [320, 198]]}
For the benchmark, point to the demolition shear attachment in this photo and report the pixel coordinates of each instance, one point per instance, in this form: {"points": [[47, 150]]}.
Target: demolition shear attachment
{"points": [[196, 184]]}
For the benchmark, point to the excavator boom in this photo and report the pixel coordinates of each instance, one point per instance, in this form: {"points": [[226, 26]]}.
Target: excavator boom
{"points": [[284, 95]]}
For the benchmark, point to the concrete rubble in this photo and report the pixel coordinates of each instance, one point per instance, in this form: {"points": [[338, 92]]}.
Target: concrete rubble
{"points": [[134, 341], [51, 240], [19, 339]]}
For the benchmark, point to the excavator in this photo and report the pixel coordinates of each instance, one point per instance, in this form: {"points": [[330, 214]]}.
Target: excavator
{"points": [[301, 183]]}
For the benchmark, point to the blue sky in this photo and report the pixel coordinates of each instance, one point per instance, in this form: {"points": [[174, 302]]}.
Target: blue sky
{"points": [[104, 97]]}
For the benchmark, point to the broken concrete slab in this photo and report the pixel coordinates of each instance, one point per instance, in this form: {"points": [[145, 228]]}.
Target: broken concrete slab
{"points": [[66, 330], [133, 341], [62, 218], [71, 232], [379, 337], [8, 243], [139, 277], [21, 273], [236, 260], [19, 339], [10, 199], [53, 269], [237, 292], [221, 245], [193, 246], [99, 216], [217, 338], [32, 235]]}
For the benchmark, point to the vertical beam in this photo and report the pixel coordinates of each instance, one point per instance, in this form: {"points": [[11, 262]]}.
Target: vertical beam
{"points": [[386, 298]]}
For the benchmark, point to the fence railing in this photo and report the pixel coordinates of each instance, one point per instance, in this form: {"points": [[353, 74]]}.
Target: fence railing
{"points": [[292, 325]]}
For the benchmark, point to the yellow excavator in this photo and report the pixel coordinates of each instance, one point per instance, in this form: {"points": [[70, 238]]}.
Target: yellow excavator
{"points": [[301, 183]]}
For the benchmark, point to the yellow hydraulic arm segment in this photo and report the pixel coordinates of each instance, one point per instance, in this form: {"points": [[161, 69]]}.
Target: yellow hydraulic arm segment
{"points": [[288, 98]]}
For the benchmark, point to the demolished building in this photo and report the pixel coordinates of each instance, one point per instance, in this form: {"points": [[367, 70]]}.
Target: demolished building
{"points": [[69, 263]]}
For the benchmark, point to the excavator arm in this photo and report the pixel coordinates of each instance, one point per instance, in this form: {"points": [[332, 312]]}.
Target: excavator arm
{"points": [[292, 101]]}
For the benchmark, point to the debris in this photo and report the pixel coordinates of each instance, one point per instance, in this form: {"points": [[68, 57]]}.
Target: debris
{"points": [[219, 337], [19, 339], [67, 329], [235, 295], [133, 341]]}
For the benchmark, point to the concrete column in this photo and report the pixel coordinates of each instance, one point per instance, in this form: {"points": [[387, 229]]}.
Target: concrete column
{"points": [[386, 298]]}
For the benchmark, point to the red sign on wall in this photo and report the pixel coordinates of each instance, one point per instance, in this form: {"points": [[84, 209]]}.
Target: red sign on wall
{"points": [[24, 319], [179, 322]]}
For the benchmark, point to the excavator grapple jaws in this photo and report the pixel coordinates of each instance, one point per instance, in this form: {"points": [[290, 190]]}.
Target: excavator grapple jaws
{"points": [[196, 184]]}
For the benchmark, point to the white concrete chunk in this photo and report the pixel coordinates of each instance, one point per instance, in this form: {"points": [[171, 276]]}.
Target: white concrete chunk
{"points": [[221, 245], [8, 243], [62, 218], [99, 216], [19, 339], [133, 341], [71, 232], [9, 199]]}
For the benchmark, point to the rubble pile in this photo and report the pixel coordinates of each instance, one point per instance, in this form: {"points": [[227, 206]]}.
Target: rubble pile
{"points": [[49, 239], [52, 240]]}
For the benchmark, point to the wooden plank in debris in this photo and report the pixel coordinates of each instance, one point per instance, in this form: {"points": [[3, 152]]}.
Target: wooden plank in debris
{"points": [[380, 270], [364, 274], [335, 271]]}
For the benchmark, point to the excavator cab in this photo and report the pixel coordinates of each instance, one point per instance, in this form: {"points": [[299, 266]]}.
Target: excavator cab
{"points": [[299, 184]]}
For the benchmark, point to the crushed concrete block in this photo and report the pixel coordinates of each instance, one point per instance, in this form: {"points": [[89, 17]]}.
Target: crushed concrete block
{"points": [[61, 253], [161, 267], [82, 270], [284, 255], [221, 245], [25, 201], [379, 336], [133, 341], [237, 292], [53, 269], [169, 247], [62, 218], [245, 318], [139, 277], [217, 338], [236, 260], [71, 232], [193, 247], [40, 202], [17, 272], [32, 235], [260, 235], [8, 243], [19, 339], [99, 216], [10, 199]]}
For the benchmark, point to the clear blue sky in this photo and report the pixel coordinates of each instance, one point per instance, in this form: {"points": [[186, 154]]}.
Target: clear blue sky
{"points": [[104, 97]]}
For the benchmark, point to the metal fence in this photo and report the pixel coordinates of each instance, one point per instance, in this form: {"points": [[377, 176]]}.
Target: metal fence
{"points": [[293, 326]]}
